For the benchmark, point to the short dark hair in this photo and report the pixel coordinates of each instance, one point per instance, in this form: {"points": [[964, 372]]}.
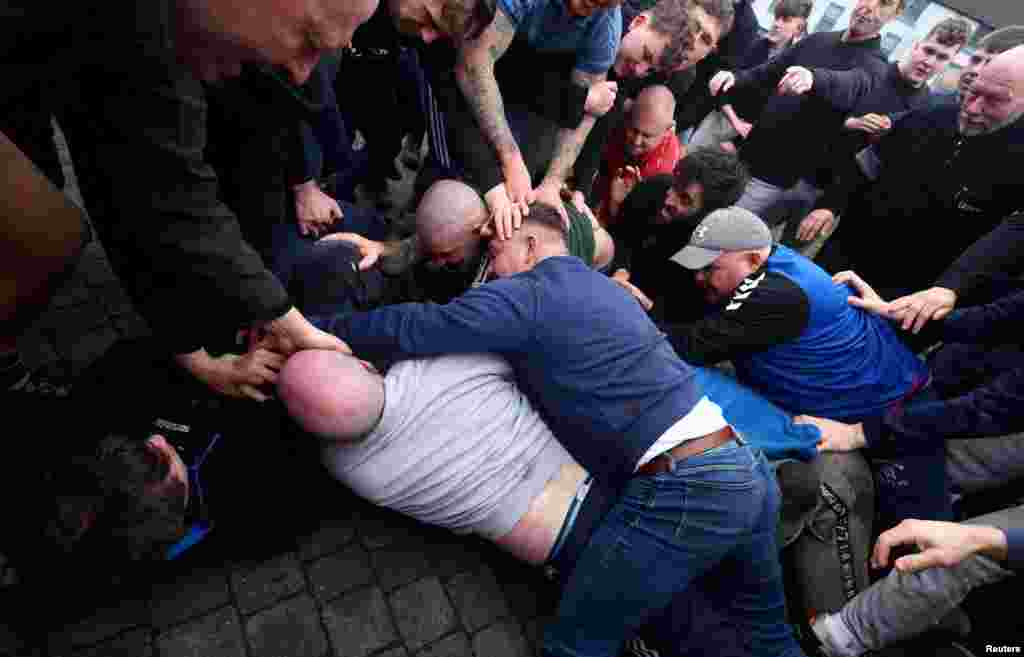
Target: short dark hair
{"points": [[672, 18], [953, 31], [722, 176], [793, 8], [722, 10], [542, 214], [133, 519], [1002, 39]]}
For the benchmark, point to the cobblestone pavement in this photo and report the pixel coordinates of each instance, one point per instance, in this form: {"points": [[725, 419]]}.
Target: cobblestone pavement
{"points": [[367, 582]]}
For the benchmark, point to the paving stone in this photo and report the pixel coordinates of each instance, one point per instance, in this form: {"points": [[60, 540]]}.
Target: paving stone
{"points": [[332, 535], [501, 640], [478, 598], [359, 623], [453, 645], [102, 624], [401, 564], [215, 635], [261, 584], [339, 573], [291, 629], [422, 612], [134, 644], [189, 595]]}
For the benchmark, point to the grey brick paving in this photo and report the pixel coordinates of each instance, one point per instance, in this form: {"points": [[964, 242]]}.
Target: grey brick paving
{"points": [[332, 536], [359, 623], [453, 645], [214, 635], [291, 629], [478, 599], [398, 565], [259, 585], [501, 640], [133, 644], [422, 612], [339, 573], [190, 595], [367, 583]]}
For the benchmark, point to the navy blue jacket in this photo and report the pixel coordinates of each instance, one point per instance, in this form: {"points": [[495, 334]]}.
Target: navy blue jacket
{"points": [[605, 378], [993, 409]]}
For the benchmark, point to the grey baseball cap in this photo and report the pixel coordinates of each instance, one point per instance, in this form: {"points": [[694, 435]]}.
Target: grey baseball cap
{"points": [[723, 231]]}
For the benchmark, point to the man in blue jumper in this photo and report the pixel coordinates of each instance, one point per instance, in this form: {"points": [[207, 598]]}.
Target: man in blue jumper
{"points": [[792, 337], [693, 498]]}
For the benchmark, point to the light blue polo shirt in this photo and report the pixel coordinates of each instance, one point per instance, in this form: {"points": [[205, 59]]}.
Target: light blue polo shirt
{"points": [[548, 26]]}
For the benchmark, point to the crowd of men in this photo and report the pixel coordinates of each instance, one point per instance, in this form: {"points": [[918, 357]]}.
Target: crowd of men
{"points": [[597, 344]]}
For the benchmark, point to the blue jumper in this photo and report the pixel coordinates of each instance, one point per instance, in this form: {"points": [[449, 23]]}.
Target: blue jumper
{"points": [[605, 378]]}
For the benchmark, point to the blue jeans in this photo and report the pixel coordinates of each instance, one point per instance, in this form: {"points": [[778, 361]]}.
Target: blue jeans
{"points": [[715, 514]]}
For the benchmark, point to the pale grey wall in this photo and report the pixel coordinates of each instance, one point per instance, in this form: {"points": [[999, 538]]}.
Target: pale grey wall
{"points": [[997, 13]]}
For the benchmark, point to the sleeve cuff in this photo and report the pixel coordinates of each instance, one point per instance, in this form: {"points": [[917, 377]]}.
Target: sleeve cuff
{"points": [[1015, 548]]}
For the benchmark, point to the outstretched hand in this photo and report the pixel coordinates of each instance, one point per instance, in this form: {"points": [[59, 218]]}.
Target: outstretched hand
{"points": [[941, 543], [915, 310], [835, 436], [865, 296]]}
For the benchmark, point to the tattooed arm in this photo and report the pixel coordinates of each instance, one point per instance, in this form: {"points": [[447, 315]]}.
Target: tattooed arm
{"points": [[474, 72], [567, 147]]}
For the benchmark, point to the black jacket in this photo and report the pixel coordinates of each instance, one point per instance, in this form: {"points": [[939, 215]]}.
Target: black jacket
{"points": [[791, 136], [135, 121], [928, 180]]}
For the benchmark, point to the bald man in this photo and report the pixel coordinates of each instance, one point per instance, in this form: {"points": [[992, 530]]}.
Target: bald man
{"points": [[452, 229], [645, 145], [955, 167], [451, 441]]}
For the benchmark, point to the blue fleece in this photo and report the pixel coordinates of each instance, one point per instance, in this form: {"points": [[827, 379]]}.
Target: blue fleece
{"points": [[604, 377]]}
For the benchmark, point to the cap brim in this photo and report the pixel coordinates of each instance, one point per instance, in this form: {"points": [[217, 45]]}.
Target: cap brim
{"points": [[695, 257]]}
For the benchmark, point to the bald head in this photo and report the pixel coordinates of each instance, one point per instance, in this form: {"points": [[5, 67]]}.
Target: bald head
{"points": [[331, 395], [656, 101], [651, 118], [995, 98], [449, 210]]}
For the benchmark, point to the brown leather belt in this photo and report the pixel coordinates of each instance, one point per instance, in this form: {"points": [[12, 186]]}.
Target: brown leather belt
{"points": [[663, 462]]}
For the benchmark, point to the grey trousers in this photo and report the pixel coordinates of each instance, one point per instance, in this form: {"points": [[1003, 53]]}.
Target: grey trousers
{"points": [[776, 205], [902, 606]]}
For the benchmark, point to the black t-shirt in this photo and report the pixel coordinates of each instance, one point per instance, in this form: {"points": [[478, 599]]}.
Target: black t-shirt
{"points": [[766, 309]]}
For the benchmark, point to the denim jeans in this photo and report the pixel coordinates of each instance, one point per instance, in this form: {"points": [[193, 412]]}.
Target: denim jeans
{"points": [[715, 514]]}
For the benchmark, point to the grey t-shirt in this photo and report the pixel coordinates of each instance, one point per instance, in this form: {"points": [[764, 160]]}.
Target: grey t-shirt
{"points": [[458, 446]]}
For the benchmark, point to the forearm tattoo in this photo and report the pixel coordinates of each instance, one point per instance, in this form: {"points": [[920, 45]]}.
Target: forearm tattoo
{"points": [[475, 75]]}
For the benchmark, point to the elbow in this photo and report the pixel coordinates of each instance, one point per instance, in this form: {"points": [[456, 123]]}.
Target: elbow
{"points": [[605, 251]]}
